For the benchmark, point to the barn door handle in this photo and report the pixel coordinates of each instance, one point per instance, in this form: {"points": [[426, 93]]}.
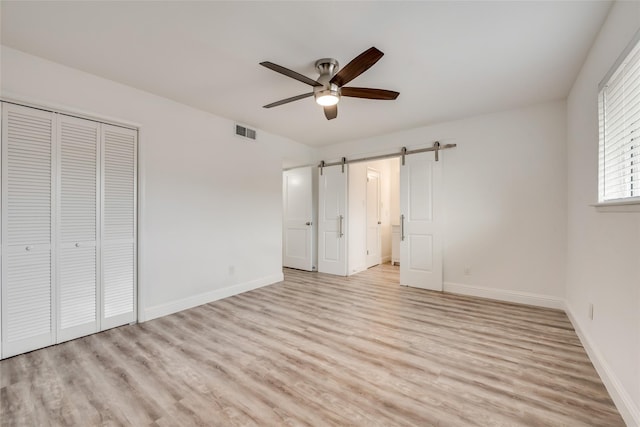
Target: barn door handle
{"points": [[402, 227], [340, 233]]}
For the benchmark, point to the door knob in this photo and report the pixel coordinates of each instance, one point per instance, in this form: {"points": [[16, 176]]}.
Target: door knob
{"points": [[379, 222], [308, 223], [77, 245]]}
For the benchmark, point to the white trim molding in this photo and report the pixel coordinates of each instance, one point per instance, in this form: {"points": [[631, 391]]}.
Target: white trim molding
{"points": [[207, 297], [65, 109], [625, 404], [505, 295], [629, 206]]}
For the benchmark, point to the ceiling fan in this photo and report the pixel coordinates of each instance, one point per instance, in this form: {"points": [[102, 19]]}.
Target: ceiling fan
{"points": [[329, 87]]}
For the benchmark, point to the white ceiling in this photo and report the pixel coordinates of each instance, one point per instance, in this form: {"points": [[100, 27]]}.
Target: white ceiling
{"points": [[448, 60]]}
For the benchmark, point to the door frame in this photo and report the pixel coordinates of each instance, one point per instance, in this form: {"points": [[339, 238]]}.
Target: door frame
{"points": [[369, 260], [308, 223]]}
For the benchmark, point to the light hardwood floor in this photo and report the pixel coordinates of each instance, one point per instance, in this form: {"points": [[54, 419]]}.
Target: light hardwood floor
{"points": [[318, 350]]}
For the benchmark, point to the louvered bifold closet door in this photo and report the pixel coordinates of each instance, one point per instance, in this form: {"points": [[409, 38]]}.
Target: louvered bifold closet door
{"points": [[27, 185], [119, 158], [78, 190]]}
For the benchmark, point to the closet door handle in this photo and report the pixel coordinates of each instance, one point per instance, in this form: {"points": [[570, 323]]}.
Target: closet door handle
{"points": [[308, 223], [28, 248], [402, 227], [340, 233], [77, 244]]}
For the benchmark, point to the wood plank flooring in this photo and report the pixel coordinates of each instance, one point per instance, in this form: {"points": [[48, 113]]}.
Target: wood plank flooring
{"points": [[318, 350]]}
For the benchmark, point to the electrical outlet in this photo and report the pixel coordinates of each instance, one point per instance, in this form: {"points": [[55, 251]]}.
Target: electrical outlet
{"points": [[467, 271], [591, 311]]}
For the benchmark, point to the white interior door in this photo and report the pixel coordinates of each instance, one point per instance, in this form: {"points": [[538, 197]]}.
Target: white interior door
{"points": [[78, 214], [421, 222], [332, 220], [27, 226], [297, 192], [118, 237], [374, 238]]}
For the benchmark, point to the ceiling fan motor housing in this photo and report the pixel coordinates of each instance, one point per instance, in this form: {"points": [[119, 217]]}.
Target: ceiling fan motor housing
{"points": [[327, 68]]}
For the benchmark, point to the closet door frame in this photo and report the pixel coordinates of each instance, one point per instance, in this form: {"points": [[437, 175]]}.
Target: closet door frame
{"points": [[56, 336]]}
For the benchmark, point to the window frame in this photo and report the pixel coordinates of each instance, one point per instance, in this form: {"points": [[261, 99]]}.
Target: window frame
{"points": [[629, 202]]}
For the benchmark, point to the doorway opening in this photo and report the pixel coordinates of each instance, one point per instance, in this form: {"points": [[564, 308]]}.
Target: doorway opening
{"points": [[372, 211]]}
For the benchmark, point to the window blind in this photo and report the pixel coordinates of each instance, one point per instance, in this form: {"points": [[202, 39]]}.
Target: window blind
{"points": [[619, 123]]}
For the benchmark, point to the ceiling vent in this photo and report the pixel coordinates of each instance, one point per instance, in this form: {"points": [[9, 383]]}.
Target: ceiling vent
{"points": [[245, 132]]}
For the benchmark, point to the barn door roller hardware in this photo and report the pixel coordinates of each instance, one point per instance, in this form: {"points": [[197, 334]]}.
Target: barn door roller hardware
{"points": [[437, 147]]}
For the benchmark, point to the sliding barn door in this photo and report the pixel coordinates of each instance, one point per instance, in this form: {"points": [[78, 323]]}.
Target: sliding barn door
{"points": [[27, 246], [332, 220], [78, 214], [119, 158], [297, 193], [421, 222]]}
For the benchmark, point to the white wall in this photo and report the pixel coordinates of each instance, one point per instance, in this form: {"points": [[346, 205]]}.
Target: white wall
{"points": [[504, 200], [603, 247], [211, 203]]}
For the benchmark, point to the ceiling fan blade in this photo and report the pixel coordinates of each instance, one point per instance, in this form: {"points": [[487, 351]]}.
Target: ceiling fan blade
{"points": [[368, 93], [289, 73], [287, 100], [357, 66], [331, 112]]}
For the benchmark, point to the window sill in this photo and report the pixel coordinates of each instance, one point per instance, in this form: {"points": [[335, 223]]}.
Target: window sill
{"points": [[618, 206]]}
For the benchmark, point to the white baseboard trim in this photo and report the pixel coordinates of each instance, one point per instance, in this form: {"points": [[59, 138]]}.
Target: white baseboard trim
{"points": [[625, 404], [207, 297], [505, 295], [356, 270]]}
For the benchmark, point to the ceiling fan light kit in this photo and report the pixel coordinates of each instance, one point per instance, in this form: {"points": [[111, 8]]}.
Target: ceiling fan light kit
{"points": [[327, 97], [329, 86]]}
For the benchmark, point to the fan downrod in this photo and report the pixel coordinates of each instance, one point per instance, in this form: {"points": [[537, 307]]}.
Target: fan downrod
{"points": [[327, 68]]}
